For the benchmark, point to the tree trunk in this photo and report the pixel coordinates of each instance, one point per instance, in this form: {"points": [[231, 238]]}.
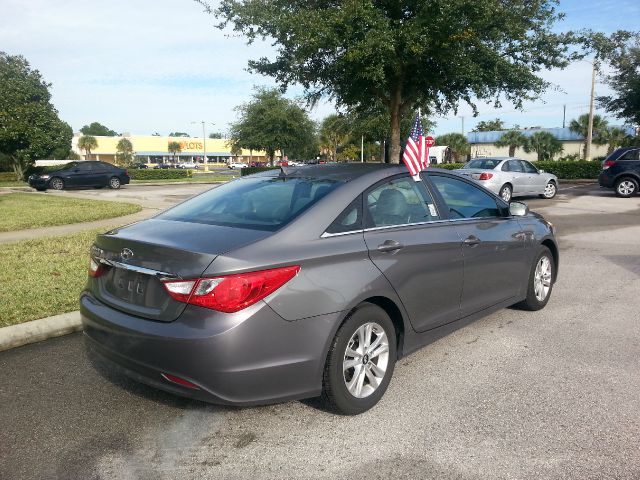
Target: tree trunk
{"points": [[394, 150], [382, 146], [512, 150]]}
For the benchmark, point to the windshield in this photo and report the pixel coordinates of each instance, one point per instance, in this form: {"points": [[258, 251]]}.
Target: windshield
{"points": [[485, 163], [259, 203]]}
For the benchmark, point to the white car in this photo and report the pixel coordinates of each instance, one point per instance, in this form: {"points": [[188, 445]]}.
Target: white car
{"points": [[511, 177], [190, 165], [233, 165]]}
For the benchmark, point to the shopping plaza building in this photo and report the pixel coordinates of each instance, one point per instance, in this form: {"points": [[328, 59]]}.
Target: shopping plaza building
{"points": [[155, 149]]}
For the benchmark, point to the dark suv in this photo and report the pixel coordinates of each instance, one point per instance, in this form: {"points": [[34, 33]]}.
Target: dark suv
{"points": [[80, 174], [621, 171]]}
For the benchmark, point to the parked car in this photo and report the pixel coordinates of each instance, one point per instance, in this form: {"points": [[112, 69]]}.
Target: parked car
{"points": [[621, 172], [162, 166], [81, 174], [190, 165], [280, 286], [140, 165], [511, 177], [236, 165]]}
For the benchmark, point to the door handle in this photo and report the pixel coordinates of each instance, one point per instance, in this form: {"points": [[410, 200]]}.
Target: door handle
{"points": [[390, 246], [471, 241]]}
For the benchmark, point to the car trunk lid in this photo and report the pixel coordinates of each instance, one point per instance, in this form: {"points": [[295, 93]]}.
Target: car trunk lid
{"points": [[138, 257]]}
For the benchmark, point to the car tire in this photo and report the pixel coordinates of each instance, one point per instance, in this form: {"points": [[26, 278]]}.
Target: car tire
{"points": [[56, 183], [541, 280], [351, 390], [506, 192], [114, 183], [550, 190], [626, 187]]}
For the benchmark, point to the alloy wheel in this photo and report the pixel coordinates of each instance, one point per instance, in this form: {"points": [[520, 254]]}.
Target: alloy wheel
{"points": [[626, 187], [542, 278], [366, 360], [505, 193], [114, 183], [57, 184], [550, 190]]}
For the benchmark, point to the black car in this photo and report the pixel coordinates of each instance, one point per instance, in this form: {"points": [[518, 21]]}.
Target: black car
{"points": [[140, 165], [621, 171], [81, 174]]}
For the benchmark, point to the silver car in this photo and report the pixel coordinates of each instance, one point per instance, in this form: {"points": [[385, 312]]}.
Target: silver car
{"points": [[511, 177]]}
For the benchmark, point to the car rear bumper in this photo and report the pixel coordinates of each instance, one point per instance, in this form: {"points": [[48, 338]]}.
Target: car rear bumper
{"points": [[250, 357]]}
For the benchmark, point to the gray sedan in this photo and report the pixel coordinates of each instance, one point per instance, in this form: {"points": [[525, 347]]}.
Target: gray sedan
{"points": [[511, 177], [308, 281]]}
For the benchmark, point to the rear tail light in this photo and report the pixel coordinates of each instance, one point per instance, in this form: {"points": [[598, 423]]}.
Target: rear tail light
{"points": [[485, 176], [95, 268], [608, 164], [230, 293], [126, 172]]}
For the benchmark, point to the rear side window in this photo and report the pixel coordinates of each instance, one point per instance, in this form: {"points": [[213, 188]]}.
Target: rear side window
{"points": [[630, 155], [349, 220], [259, 203]]}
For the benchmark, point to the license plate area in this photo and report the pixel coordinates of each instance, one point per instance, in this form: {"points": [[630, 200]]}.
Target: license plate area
{"points": [[132, 287]]}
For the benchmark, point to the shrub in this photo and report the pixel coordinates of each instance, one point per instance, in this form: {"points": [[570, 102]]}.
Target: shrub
{"points": [[569, 170], [448, 166], [150, 174], [7, 177], [251, 170]]}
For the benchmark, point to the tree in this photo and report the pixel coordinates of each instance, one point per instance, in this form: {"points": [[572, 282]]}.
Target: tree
{"points": [[215, 135], [612, 137], [29, 124], [513, 139], [124, 149], [489, 126], [544, 144], [581, 127], [98, 130], [174, 148], [271, 122], [623, 54], [87, 143], [156, 134], [404, 53], [178, 134], [334, 131], [456, 142]]}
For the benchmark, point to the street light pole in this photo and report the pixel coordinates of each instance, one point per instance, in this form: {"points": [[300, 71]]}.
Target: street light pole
{"points": [[587, 154], [204, 146]]}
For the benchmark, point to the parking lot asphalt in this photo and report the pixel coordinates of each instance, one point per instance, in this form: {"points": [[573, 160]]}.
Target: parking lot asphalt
{"points": [[553, 394]]}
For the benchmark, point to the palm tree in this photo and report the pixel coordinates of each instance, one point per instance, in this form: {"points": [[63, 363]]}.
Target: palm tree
{"points": [[87, 143], [513, 139], [124, 150], [581, 127], [544, 144], [456, 142], [613, 137], [333, 132], [174, 147]]}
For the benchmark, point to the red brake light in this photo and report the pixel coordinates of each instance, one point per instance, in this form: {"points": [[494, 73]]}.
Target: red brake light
{"points": [[95, 268], [179, 381], [485, 176], [230, 293], [608, 163]]}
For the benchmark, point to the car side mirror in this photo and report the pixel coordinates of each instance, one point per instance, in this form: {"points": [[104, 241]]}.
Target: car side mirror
{"points": [[518, 209], [541, 171]]}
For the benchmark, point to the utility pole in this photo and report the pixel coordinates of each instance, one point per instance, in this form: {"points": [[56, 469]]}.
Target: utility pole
{"points": [[590, 127], [564, 114], [362, 149], [462, 118]]}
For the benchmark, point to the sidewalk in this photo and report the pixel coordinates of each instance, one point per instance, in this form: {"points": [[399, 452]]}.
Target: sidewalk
{"points": [[31, 233]]}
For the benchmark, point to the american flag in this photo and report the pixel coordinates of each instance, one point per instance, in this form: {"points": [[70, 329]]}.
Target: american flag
{"points": [[415, 152]]}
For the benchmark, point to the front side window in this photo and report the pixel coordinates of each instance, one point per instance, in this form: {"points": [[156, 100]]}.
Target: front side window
{"points": [[259, 203], [465, 200], [399, 202], [85, 167], [528, 168]]}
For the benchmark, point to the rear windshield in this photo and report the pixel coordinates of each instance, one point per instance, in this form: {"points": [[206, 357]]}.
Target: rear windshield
{"points": [[485, 164], [259, 203]]}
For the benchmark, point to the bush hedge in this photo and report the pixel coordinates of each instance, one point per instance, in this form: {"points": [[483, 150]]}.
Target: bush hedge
{"points": [[251, 170], [160, 174], [571, 170], [7, 177]]}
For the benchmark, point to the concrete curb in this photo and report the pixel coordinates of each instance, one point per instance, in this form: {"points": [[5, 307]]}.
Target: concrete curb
{"points": [[39, 330]]}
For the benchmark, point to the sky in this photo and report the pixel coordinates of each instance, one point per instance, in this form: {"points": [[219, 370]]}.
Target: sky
{"points": [[145, 66]]}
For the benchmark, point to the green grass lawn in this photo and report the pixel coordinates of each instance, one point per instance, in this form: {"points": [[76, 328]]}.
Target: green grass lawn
{"points": [[19, 211], [42, 277]]}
